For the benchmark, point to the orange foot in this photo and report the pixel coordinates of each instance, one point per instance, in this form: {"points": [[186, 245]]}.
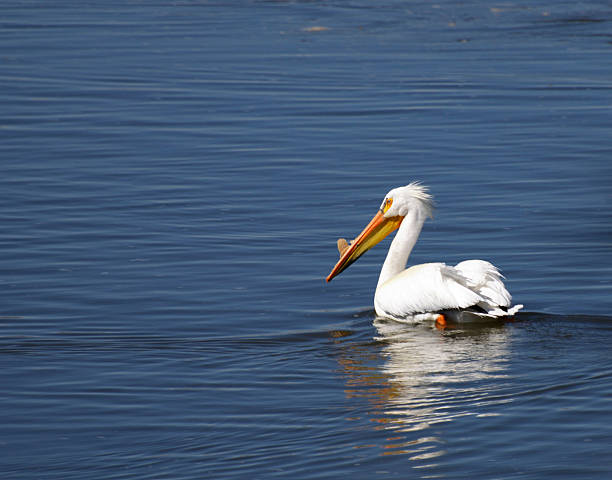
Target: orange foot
{"points": [[440, 321]]}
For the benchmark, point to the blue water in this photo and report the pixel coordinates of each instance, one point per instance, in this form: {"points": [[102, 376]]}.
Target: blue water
{"points": [[174, 176]]}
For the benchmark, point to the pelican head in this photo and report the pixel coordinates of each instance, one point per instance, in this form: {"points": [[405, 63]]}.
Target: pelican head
{"points": [[398, 203]]}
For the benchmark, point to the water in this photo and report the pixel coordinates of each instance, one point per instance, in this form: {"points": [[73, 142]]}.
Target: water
{"points": [[174, 177]]}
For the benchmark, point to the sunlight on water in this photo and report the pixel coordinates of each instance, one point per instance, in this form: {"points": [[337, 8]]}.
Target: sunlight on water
{"points": [[427, 377], [175, 176], [420, 383]]}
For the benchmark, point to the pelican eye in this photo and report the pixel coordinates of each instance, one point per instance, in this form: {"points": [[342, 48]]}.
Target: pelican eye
{"points": [[386, 204]]}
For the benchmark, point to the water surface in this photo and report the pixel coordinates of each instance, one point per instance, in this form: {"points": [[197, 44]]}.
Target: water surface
{"points": [[174, 177]]}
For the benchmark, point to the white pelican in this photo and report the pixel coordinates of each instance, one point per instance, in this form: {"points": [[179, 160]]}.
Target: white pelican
{"points": [[470, 290]]}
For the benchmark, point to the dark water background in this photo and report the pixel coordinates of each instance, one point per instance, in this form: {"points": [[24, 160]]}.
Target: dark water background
{"points": [[174, 175]]}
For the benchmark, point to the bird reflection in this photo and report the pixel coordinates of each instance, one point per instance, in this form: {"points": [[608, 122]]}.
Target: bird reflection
{"points": [[416, 379]]}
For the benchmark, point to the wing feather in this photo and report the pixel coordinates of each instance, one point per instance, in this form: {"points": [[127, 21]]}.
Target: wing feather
{"points": [[485, 279], [435, 287], [430, 287]]}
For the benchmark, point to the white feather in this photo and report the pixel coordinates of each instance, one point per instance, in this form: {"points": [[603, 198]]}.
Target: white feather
{"points": [[432, 287], [429, 287]]}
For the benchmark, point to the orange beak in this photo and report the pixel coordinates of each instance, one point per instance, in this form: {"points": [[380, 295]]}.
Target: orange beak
{"points": [[378, 228]]}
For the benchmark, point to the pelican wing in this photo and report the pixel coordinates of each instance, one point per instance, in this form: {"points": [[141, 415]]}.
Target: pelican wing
{"points": [[430, 287], [435, 287], [484, 278]]}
